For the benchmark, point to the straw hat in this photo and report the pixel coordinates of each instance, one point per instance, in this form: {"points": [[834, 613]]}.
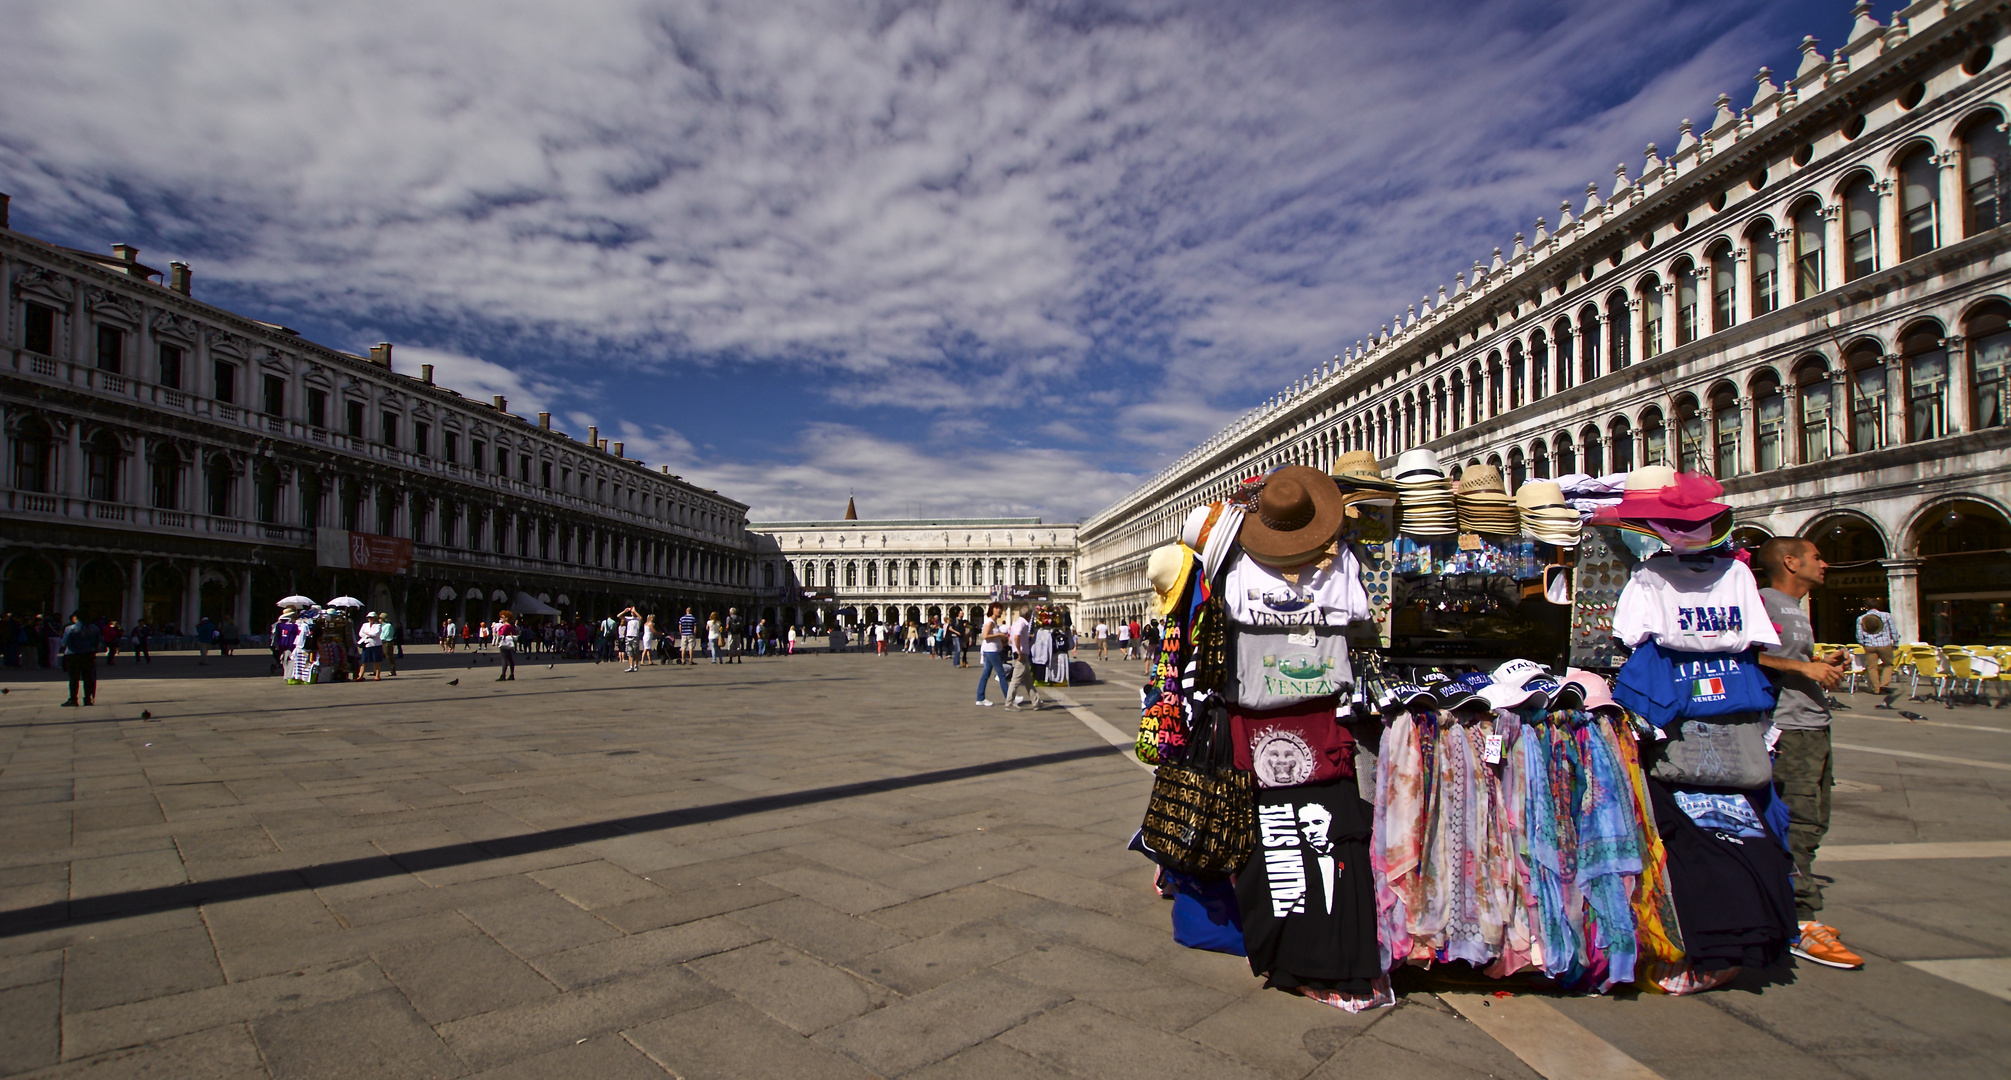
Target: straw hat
{"points": [[1483, 483], [1357, 469], [1168, 569], [1297, 514]]}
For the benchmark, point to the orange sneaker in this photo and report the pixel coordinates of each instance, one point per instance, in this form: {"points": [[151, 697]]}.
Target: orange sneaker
{"points": [[1819, 943]]}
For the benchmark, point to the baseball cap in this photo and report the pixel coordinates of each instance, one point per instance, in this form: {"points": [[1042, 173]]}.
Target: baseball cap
{"points": [[1404, 695], [1451, 693], [1517, 672]]}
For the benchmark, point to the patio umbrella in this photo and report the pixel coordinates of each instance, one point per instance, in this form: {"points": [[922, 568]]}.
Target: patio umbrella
{"points": [[345, 601], [296, 601]]}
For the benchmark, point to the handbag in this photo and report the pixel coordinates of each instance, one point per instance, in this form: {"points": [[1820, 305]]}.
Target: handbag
{"points": [[1728, 752], [1202, 816]]}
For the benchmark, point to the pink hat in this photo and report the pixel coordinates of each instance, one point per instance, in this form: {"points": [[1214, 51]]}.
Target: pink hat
{"points": [[1657, 491], [1597, 694]]}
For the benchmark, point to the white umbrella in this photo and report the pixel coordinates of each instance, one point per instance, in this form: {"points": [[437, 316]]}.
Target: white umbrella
{"points": [[296, 601], [345, 601]]}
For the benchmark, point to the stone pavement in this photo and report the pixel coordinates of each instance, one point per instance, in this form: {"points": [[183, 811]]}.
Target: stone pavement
{"points": [[821, 866]]}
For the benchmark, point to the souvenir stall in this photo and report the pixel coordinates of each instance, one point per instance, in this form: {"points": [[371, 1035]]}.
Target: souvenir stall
{"points": [[1374, 752]]}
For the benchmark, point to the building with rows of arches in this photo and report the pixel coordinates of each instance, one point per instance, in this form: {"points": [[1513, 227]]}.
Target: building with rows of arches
{"points": [[1810, 300], [812, 573], [167, 459]]}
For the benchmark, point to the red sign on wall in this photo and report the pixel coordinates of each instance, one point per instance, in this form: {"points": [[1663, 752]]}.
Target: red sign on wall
{"points": [[343, 549]]}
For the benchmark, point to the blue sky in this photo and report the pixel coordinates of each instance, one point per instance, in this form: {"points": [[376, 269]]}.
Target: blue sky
{"points": [[958, 258]]}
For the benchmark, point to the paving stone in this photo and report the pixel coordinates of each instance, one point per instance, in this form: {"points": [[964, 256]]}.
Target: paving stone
{"points": [[646, 951], [842, 891], [989, 1061], [597, 884], [731, 1040], [1283, 1034], [933, 1025], [604, 1057], [1083, 1039], [496, 1038], [115, 972], [538, 923], [30, 1026], [336, 946], [792, 986], [934, 914], [818, 930], [1434, 1040], [226, 1052], [147, 1021], [462, 976], [372, 1036], [915, 966], [1135, 991], [31, 968]]}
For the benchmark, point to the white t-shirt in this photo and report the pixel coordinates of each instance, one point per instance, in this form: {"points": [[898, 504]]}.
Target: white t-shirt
{"points": [[1102, 631], [1712, 607], [631, 628], [1257, 595], [1124, 631], [991, 627]]}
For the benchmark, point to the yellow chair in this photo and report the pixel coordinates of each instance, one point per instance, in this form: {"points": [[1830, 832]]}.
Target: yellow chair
{"points": [[1953, 672], [1857, 665], [1910, 659]]}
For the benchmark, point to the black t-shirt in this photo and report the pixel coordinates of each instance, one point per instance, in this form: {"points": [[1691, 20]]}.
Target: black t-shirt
{"points": [[1307, 897]]}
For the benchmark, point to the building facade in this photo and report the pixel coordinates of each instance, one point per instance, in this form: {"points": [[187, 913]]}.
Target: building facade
{"points": [[167, 459], [1810, 299], [900, 571]]}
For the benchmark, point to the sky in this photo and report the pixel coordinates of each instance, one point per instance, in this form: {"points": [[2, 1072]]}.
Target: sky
{"points": [[954, 259]]}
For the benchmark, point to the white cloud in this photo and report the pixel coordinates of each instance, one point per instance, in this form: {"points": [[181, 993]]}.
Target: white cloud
{"points": [[1119, 223]]}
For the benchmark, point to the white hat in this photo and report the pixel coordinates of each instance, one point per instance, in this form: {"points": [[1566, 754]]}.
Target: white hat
{"points": [[1415, 464]]}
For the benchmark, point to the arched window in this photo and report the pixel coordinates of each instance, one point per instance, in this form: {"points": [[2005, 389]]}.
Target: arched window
{"points": [[1988, 331], [1814, 410], [30, 451], [1926, 382], [1724, 288], [1726, 420], [1809, 243], [1770, 418], [1868, 409], [1019, 571], [1539, 365], [1588, 333], [1690, 448], [1567, 457], [1061, 572], [1518, 385], [1539, 460], [1688, 326], [1458, 400], [1621, 440], [102, 456], [1860, 227], [1765, 268], [1518, 468], [1565, 341], [1040, 572], [1986, 160], [1651, 317], [167, 478], [1654, 438], [219, 482], [1919, 181], [1593, 447], [1473, 392], [1619, 330], [851, 575]]}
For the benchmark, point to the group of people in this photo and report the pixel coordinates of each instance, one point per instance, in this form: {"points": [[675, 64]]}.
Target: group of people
{"points": [[1135, 640], [315, 645]]}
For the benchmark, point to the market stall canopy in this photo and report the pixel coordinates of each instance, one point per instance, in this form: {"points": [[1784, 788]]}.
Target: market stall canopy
{"points": [[526, 604]]}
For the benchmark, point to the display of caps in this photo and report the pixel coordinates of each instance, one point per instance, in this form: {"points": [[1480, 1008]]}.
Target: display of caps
{"points": [[1562, 695], [1518, 672], [1597, 695], [1450, 693], [1506, 696], [1405, 695]]}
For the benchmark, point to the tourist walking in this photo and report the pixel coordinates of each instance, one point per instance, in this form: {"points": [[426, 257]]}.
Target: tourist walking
{"points": [[736, 635], [1102, 639], [1804, 771], [687, 637], [1874, 633], [792, 641], [373, 647], [506, 645], [1022, 694], [1124, 640], [110, 632], [205, 637], [139, 641], [993, 653], [79, 652], [650, 640]]}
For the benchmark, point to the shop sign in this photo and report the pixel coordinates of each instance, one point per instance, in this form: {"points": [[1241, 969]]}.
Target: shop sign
{"points": [[1856, 581], [344, 549]]}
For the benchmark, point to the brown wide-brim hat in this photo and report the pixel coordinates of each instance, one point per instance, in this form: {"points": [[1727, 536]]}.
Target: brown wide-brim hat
{"points": [[1300, 510]]}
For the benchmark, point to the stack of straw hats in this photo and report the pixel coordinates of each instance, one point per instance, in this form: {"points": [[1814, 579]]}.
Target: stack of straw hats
{"points": [[1361, 479], [1428, 502], [1484, 504], [1545, 514]]}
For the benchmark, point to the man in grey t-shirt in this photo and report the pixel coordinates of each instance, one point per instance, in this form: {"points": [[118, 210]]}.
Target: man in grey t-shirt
{"points": [[1803, 772]]}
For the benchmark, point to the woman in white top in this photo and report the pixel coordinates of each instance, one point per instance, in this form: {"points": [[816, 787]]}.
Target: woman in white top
{"points": [[993, 635], [650, 641], [792, 641]]}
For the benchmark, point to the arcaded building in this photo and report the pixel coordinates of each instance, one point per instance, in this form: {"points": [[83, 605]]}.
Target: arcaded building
{"points": [[167, 459], [1809, 298]]}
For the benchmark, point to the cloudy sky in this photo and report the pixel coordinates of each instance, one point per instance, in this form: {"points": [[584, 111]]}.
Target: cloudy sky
{"points": [[957, 257]]}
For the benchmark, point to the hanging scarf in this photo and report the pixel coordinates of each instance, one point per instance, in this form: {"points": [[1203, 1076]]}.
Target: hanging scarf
{"points": [[1655, 926], [1609, 847]]}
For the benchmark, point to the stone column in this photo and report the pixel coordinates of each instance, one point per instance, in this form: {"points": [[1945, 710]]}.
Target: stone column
{"points": [[1842, 434], [1749, 435], [137, 475], [192, 601], [1742, 289], [66, 596], [1889, 224], [1959, 385], [1834, 257], [1950, 205], [73, 462], [1895, 400], [243, 613], [1902, 590], [136, 593]]}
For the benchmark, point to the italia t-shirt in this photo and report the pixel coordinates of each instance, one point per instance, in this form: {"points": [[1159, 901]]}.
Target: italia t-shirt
{"points": [[1710, 606], [1306, 895], [1257, 595]]}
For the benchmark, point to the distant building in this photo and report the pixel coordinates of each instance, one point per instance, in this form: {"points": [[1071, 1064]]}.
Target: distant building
{"points": [[908, 570], [1809, 299], [168, 459]]}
